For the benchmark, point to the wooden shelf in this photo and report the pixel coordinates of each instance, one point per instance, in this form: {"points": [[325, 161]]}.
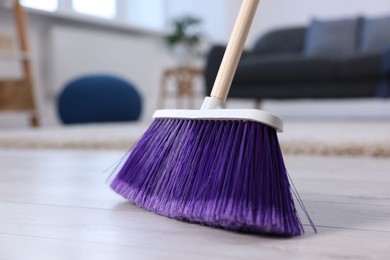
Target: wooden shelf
{"points": [[18, 94], [19, 91], [6, 4], [6, 55]]}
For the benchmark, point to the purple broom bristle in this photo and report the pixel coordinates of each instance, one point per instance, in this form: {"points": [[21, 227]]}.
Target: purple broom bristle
{"points": [[226, 174]]}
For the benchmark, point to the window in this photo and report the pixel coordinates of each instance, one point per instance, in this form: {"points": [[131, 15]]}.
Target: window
{"points": [[146, 13], [99, 8], [46, 5]]}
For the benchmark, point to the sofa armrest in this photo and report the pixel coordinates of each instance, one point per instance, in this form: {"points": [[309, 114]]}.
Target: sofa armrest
{"points": [[386, 62], [383, 89], [213, 61]]}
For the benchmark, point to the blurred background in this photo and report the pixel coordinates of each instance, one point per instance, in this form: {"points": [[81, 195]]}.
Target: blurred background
{"points": [[139, 42]]}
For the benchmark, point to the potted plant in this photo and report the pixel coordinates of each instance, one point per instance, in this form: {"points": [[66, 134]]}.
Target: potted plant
{"points": [[184, 38]]}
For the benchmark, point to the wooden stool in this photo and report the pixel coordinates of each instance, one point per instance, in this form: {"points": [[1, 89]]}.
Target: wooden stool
{"points": [[183, 78]]}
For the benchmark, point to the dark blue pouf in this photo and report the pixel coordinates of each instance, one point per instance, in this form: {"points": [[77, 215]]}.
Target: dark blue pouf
{"points": [[99, 98]]}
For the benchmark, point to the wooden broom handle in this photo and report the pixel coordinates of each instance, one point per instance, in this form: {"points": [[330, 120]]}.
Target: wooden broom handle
{"points": [[234, 50]]}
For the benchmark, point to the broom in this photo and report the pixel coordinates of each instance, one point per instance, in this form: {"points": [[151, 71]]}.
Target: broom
{"points": [[214, 166]]}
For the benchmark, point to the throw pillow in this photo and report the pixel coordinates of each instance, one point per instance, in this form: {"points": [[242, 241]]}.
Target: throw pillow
{"points": [[375, 35], [332, 39]]}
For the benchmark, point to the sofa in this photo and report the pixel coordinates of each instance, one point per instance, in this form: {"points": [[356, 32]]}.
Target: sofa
{"points": [[343, 58]]}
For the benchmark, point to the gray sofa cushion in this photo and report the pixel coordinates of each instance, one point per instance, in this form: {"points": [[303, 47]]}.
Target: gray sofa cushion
{"points": [[332, 39], [281, 40], [285, 67], [375, 35]]}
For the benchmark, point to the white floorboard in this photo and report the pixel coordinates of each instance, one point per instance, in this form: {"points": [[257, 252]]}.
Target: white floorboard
{"points": [[56, 205]]}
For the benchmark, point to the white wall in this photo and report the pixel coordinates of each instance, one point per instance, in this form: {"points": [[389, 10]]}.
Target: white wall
{"points": [[214, 14]]}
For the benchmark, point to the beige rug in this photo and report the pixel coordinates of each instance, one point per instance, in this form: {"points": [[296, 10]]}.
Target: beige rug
{"points": [[352, 138], [347, 138]]}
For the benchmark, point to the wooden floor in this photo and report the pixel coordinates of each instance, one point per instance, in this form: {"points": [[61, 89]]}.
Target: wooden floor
{"points": [[56, 205]]}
